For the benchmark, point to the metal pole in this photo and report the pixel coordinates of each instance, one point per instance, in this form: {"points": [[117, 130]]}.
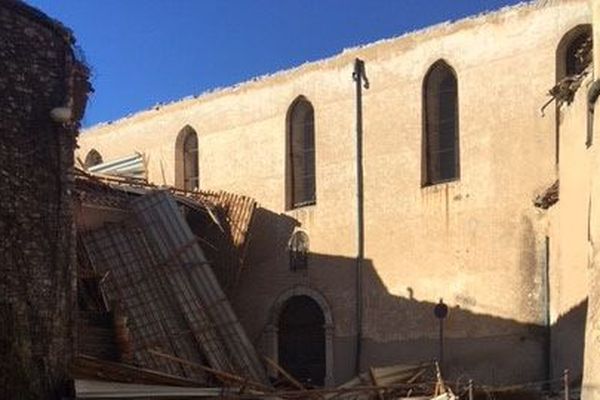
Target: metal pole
{"points": [[442, 343], [566, 384], [358, 75], [470, 389], [441, 312], [547, 319]]}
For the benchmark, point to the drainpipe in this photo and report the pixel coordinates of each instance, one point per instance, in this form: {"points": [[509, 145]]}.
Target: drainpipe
{"points": [[361, 81], [547, 318]]}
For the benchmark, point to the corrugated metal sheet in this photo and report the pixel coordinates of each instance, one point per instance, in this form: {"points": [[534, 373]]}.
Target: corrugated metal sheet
{"points": [[234, 213], [130, 166], [157, 271], [238, 211], [135, 282], [204, 303], [224, 229]]}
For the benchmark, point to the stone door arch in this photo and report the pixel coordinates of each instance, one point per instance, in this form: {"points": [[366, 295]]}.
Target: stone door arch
{"points": [[280, 333]]}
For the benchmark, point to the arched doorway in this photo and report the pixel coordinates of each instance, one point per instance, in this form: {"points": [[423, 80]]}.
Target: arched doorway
{"points": [[301, 347]]}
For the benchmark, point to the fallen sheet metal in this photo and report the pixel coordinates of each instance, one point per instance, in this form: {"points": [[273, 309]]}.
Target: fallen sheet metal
{"points": [[196, 289], [130, 166], [135, 282], [219, 219]]}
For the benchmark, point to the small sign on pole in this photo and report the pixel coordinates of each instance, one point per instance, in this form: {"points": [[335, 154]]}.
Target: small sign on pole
{"points": [[441, 312]]}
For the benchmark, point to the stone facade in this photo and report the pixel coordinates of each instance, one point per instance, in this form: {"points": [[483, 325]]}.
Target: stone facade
{"points": [[37, 266], [477, 242]]}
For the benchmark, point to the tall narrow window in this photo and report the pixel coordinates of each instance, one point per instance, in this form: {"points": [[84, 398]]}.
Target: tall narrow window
{"points": [[92, 158], [441, 156], [187, 174], [301, 182]]}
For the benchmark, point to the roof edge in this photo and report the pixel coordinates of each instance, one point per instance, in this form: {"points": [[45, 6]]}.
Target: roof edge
{"points": [[222, 90]]}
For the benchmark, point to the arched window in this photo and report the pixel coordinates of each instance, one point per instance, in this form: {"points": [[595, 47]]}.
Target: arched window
{"points": [[186, 160], [441, 157], [299, 247], [301, 183], [92, 158], [573, 53]]}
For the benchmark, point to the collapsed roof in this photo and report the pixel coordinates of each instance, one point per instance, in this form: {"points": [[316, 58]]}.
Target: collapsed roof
{"points": [[145, 278]]}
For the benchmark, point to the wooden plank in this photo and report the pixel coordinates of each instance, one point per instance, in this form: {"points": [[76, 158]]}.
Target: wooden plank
{"points": [[374, 380], [285, 374], [224, 377]]}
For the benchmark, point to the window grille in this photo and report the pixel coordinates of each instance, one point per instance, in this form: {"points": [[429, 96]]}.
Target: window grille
{"points": [[578, 53], [298, 251]]}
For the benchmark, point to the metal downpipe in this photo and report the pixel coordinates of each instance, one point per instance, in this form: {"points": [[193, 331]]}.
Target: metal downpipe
{"points": [[361, 81]]}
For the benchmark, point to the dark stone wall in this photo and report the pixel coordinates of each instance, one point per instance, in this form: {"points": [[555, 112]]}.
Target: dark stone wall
{"points": [[38, 72]]}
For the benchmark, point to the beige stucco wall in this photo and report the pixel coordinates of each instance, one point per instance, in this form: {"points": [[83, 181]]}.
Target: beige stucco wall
{"points": [[591, 378], [568, 234], [478, 243]]}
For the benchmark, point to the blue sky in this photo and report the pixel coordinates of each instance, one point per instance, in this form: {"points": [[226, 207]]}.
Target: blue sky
{"points": [[144, 52]]}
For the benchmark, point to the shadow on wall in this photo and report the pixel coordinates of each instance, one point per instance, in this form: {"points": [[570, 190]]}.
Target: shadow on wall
{"points": [[269, 234], [396, 329], [568, 342], [482, 347], [218, 246]]}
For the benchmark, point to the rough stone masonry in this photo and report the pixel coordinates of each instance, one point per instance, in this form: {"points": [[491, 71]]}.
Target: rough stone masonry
{"points": [[39, 72]]}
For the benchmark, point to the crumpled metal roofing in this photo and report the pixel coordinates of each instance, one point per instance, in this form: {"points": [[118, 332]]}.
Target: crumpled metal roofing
{"points": [[129, 166]]}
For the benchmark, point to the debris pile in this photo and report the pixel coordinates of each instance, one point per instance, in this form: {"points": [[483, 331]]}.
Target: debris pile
{"points": [[155, 266], [148, 297]]}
